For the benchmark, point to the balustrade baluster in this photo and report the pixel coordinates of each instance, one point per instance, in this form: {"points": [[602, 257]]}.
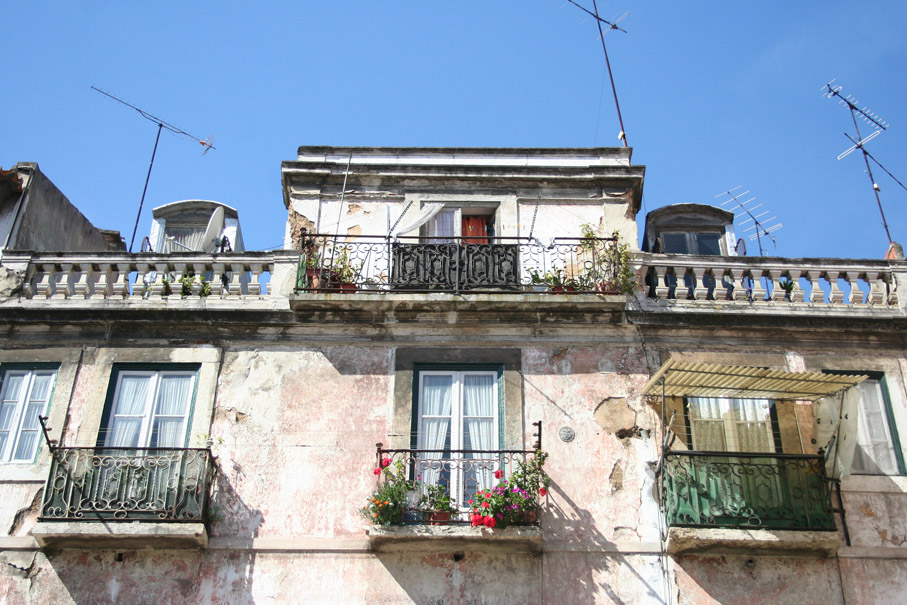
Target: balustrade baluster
{"points": [[254, 284], [83, 281], [835, 295], [855, 297], [661, 284], [696, 289], [796, 295], [61, 285], [44, 276], [218, 274], [758, 295], [234, 286]]}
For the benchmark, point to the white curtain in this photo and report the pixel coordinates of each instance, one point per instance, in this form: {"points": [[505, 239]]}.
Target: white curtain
{"points": [[873, 451], [428, 211], [435, 430], [12, 385], [128, 412], [37, 403], [753, 418], [708, 424], [170, 412], [478, 420], [442, 228]]}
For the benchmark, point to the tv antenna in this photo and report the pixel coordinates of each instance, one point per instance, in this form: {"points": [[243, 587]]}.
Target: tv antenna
{"points": [[207, 144], [613, 24], [761, 227], [877, 124]]}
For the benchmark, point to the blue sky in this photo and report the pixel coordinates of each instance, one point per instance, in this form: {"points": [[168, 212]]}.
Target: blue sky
{"points": [[713, 95]]}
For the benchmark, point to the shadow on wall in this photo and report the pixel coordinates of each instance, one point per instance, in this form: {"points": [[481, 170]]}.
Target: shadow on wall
{"points": [[165, 576], [587, 566]]}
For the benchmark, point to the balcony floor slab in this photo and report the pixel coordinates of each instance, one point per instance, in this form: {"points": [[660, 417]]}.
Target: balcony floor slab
{"points": [[694, 540], [126, 535]]}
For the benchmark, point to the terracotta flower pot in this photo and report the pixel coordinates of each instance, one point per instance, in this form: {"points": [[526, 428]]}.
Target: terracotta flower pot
{"points": [[439, 518], [528, 516]]}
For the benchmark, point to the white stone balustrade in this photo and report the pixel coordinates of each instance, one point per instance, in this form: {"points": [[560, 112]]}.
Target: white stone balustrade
{"points": [[152, 277], [757, 281]]}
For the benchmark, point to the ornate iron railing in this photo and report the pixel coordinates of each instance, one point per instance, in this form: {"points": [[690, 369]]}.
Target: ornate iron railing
{"points": [[453, 264], [744, 490], [461, 472], [149, 484]]}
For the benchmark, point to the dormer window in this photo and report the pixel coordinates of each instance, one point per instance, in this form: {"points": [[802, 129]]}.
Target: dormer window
{"points": [[685, 242]]}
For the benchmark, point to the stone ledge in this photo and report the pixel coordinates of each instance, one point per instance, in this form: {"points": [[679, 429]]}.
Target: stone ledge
{"points": [[692, 540], [119, 535], [462, 537]]}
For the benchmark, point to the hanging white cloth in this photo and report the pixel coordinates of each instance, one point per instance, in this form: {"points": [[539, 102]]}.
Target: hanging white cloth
{"points": [[436, 410], [478, 418], [428, 211], [839, 443]]}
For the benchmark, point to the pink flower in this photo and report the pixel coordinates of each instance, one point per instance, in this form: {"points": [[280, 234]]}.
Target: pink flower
{"points": [[385, 462], [377, 471], [543, 492], [498, 474], [490, 522]]}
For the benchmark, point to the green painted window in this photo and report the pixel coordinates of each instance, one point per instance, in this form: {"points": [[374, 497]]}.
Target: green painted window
{"points": [[24, 395]]}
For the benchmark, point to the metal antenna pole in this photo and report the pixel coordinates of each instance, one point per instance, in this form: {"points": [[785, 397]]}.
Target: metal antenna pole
{"points": [[620, 119], [145, 190], [875, 188]]}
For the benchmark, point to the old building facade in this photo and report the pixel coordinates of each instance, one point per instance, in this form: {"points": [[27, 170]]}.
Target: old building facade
{"points": [[714, 428]]}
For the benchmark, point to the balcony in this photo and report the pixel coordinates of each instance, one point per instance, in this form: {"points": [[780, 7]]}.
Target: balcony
{"points": [[788, 285], [455, 265], [126, 498], [730, 494], [418, 525]]}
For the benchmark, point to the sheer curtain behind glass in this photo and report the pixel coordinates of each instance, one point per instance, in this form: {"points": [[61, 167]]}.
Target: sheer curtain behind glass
{"points": [[708, 424], [128, 412], [27, 444], [168, 429], [12, 386], [478, 424], [753, 417], [435, 423], [874, 452]]}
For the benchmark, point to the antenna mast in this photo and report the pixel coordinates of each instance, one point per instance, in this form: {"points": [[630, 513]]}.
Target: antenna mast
{"points": [[871, 118], [760, 228], [601, 36], [161, 124]]}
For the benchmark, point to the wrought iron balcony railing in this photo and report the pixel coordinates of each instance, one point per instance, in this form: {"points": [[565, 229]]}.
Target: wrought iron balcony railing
{"points": [[747, 491], [148, 484], [454, 264], [462, 473]]}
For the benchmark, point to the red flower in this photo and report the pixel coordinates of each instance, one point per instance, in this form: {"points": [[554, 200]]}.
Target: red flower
{"points": [[485, 505], [470, 502], [377, 471], [498, 474], [476, 520], [488, 494], [543, 491], [385, 462], [490, 522]]}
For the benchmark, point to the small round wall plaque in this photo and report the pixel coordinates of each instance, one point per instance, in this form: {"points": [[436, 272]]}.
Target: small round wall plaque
{"points": [[566, 434]]}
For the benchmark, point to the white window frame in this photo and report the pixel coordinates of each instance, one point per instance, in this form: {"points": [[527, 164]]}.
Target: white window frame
{"points": [[148, 414], [21, 404], [457, 406], [729, 421]]}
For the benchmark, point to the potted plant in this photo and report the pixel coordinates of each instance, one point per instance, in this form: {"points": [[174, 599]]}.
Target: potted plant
{"points": [[531, 477], [387, 503], [436, 504], [344, 272], [610, 270], [555, 281], [788, 285]]}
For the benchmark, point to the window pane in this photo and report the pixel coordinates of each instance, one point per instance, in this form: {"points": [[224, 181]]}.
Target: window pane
{"points": [[40, 389], [675, 243], [436, 392], [173, 396], [167, 432], [132, 395], [12, 387], [6, 416], [124, 433], [25, 449], [874, 452], [478, 395], [708, 243]]}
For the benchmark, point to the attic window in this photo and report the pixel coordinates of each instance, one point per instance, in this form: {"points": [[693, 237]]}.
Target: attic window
{"points": [[691, 242]]}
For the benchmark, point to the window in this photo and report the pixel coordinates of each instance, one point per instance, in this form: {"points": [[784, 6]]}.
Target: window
{"points": [[877, 451], [457, 419], [474, 223], [24, 396], [686, 242], [149, 408], [731, 425]]}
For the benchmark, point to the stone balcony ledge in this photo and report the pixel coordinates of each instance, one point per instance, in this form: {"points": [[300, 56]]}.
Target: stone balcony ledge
{"points": [[454, 537], [691, 540]]}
